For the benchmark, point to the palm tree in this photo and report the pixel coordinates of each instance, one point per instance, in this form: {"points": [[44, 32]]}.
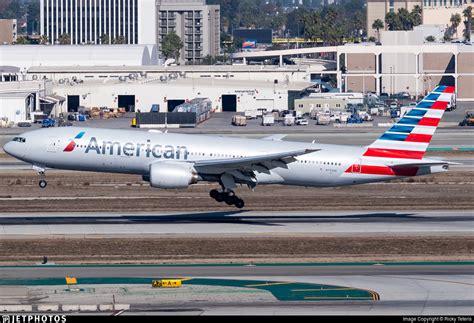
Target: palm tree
{"points": [[44, 40], [467, 14], [416, 15], [104, 39], [455, 21], [377, 25], [65, 39]]}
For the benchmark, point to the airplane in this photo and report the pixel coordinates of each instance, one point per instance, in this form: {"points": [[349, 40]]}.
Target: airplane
{"points": [[176, 161]]}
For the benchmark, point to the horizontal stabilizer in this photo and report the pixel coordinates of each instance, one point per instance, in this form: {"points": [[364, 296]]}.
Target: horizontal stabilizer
{"points": [[424, 164]]}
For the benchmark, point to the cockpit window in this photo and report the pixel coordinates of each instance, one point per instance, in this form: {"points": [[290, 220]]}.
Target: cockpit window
{"points": [[19, 139]]}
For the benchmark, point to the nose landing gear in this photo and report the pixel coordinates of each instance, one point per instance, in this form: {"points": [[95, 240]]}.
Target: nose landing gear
{"points": [[228, 197], [42, 183], [41, 172]]}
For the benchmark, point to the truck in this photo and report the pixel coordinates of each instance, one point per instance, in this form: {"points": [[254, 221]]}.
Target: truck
{"points": [[468, 119], [155, 108], [251, 114], [48, 122], [323, 119], [268, 120], [289, 120]]}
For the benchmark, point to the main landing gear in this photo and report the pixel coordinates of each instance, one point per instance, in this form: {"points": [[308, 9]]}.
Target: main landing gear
{"points": [[228, 197]]}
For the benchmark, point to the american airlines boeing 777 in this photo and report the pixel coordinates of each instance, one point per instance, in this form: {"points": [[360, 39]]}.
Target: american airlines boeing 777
{"points": [[176, 161]]}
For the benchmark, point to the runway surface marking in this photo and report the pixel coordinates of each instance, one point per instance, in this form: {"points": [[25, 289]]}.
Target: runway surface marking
{"points": [[269, 284], [435, 280], [282, 291]]}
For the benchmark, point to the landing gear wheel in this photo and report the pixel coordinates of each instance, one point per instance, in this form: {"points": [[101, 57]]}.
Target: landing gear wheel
{"points": [[231, 200], [214, 194], [42, 183], [239, 203], [221, 197]]}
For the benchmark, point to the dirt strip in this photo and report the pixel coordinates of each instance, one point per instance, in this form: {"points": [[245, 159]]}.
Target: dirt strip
{"points": [[92, 192], [229, 250]]}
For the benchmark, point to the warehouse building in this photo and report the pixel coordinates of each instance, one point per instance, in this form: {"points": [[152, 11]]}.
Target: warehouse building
{"points": [[135, 95], [26, 56], [414, 68]]}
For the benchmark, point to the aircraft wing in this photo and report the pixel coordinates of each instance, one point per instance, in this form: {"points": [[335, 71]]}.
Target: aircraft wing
{"points": [[259, 163]]}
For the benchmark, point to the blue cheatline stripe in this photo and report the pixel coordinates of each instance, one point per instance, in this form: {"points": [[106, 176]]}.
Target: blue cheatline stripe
{"points": [[80, 135], [432, 96], [409, 121], [416, 113], [424, 104], [394, 136], [397, 128], [440, 88]]}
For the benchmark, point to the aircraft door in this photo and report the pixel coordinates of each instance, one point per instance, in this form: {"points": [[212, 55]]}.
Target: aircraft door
{"points": [[357, 167]]}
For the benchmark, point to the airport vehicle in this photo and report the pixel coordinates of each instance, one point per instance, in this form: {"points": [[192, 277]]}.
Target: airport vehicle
{"points": [[155, 108], [301, 122], [47, 123], [239, 120], [268, 120], [468, 120], [251, 114], [176, 161]]}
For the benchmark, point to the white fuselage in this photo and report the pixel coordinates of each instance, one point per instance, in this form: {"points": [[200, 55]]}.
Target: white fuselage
{"points": [[132, 152]]}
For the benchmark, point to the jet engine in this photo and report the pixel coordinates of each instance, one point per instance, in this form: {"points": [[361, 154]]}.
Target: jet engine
{"points": [[172, 175]]}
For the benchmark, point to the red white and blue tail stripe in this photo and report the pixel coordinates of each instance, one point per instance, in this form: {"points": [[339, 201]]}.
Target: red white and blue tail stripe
{"points": [[400, 150], [409, 138]]}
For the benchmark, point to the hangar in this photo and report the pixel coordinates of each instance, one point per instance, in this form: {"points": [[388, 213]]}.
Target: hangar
{"points": [[26, 56]]}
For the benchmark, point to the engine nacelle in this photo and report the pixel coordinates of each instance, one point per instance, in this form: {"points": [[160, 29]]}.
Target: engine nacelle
{"points": [[169, 175]]}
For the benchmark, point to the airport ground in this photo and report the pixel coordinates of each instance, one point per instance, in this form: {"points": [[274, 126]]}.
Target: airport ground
{"points": [[407, 242]]}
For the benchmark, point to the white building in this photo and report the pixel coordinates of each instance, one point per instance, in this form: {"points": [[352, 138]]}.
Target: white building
{"points": [[26, 56], [87, 20]]}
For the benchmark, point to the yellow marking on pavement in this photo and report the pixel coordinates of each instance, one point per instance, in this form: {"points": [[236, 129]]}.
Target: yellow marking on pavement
{"points": [[338, 297], [320, 290], [268, 284]]}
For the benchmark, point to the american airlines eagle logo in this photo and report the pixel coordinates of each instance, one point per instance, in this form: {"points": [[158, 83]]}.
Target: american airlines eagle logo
{"points": [[70, 147]]}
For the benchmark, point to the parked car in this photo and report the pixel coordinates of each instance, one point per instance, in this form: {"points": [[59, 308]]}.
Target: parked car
{"points": [[301, 122]]}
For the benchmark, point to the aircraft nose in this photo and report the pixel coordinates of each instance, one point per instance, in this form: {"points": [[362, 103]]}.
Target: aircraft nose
{"points": [[8, 148]]}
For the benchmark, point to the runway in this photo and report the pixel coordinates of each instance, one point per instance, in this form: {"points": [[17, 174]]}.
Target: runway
{"points": [[238, 270], [239, 223]]}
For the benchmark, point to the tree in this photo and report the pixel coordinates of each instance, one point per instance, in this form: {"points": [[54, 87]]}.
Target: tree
{"points": [[430, 39], [65, 39], [312, 25], [119, 40], [455, 21], [22, 40], [467, 14], [405, 19], [105, 39], [416, 15], [377, 25], [393, 21], [44, 40], [171, 46]]}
